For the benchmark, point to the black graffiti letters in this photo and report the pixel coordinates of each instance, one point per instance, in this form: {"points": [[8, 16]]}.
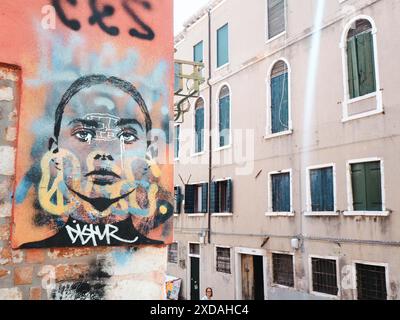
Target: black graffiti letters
{"points": [[100, 14], [73, 23]]}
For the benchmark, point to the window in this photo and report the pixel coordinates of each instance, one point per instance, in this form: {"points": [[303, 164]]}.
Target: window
{"points": [[199, 126], [178, 197], [194, 249], [324, 276], [173, 253], [279, 98], [280, 192], [176, 140], [223, 260], [178, 83], [366, 184], [224, 106], [222, 46], [282, 265], [221, 197], [322, 189], [198, 52], [371, 282], [196, 198], [360, 59], [276, 17]]}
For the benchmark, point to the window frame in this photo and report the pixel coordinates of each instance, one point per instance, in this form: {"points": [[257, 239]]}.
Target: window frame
{"points": [[177, 253], [270, 212], [309, 211], [376, 264], [223, 214], [350, 208], [217, 138], [268, 128], [347, 101], [267, 38], [310, 270], [195, 214], [217, 68], [277, 285], [194, 153], [230, 259]]}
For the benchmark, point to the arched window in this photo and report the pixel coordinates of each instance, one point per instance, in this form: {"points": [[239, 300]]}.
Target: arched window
{"points": [[199, 126], [279, 98], [360, 59], [224, 106]]}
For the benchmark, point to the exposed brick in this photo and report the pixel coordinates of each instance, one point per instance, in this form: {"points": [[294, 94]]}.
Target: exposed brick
{"points": [[35, 294], [5, 209], [5, 256], [11, 134], [4, 232], [69, 252], [23, 275], [4, 273], [71, 272], [7, 156], [17, 256], [10, 294], [6, 94], [35, 256]]}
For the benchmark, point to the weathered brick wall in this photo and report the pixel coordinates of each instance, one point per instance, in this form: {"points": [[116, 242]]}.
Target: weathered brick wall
{"points": [[71, 273]]}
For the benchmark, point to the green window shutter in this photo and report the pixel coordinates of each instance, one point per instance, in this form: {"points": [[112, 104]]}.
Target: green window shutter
{"points": [[281, 192], [373, 186], [222, 45], [276, 17], [204, 197], [190, 198], [214, 198], [198, 52], [229, 196], [358, 187], [178, 199], [366, 63], [199, 130], [322, 197], [279, 103], [224, 121], [354, 88]]}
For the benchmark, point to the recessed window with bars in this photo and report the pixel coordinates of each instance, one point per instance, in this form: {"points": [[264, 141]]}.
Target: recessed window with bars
{"points": [[324, 276], [221, 196], [366, 183], [173, 253], [279, 98], [280, 192], [196, 198], [322, 189], [371, 282], [276, 17], [282, 265], [223, 260], [361, 59]]}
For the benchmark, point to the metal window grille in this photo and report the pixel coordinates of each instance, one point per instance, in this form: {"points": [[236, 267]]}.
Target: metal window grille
{"points": [[371, 282], [282, 265], [324, 276], [173, 253], [224, 260]]}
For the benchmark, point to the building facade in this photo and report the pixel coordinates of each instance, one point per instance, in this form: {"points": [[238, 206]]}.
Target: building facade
{"points": [[303, 104]]}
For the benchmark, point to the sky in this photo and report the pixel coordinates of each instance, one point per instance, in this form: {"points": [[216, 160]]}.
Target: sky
{"points": [[183, 10]]}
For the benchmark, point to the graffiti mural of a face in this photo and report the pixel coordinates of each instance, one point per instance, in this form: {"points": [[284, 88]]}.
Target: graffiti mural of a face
{"points": [[97, 172]]}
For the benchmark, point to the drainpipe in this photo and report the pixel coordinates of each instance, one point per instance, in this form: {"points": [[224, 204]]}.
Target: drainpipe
{"points": [[209, 127]]}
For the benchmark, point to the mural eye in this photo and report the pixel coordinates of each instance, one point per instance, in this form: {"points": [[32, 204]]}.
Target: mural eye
{"points": [[128, 137], [84, 135]]}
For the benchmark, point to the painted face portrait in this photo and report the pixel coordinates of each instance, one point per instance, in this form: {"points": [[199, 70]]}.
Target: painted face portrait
{"points": [[97, 173]]}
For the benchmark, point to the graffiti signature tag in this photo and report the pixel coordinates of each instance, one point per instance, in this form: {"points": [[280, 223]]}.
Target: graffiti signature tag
{"points": [[100, 13], [93, 233]]}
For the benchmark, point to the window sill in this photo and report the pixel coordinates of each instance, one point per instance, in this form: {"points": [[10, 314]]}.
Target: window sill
{"points": [[321, 213], [367, 213], [278, 134], [275, 37], [281, 286], [222, 67], [325, 295], [176, 215], [194, 155], [361, 98], [222, 214], [362, 115], [223, 148], [194, 215], [279, 214]]}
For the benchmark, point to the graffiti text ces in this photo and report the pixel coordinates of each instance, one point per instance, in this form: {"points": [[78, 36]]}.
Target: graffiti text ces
{"points": [[100, 14], [90, 232]]}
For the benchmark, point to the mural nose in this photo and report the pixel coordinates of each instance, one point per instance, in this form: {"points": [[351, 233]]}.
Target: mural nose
{"points": [[103, 157]]}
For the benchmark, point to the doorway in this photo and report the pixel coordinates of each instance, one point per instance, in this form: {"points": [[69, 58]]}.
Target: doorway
{"points": [[194, 257], [252, 277]]}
